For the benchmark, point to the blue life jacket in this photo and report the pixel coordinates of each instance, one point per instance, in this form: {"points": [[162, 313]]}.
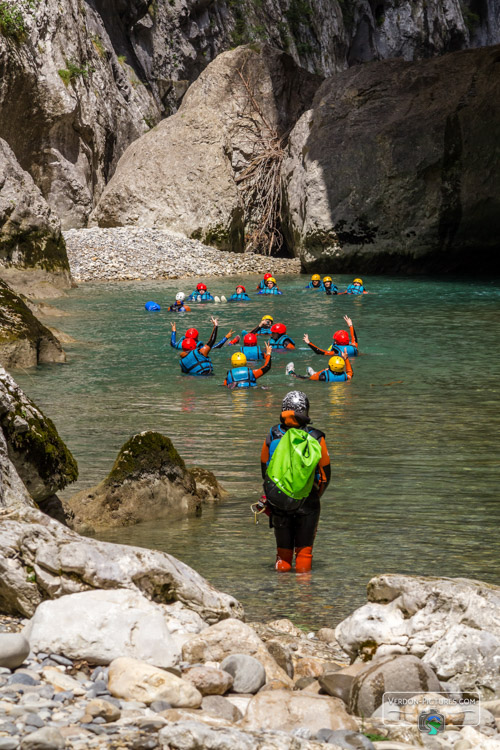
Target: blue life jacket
{"points": [[205, 297], [273, 290], [320, 288], [336, 349], [263, 331], [243, 297], [332, 290], [177, 308], [152, 306], [281, 341], [243, 377], [252, 352], [178, 344], [333, 377], [352, 289], [195, 363]]}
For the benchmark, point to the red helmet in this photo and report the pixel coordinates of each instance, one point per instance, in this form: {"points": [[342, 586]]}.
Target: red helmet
{"points": [[201, 287], [341, 337], [250, 339], [192, 333], [267, 276], [240, 286], [278, 328], [188, 345]]}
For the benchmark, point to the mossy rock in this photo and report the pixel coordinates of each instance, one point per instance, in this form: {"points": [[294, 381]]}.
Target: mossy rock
{"points": [[146, 453], [207, 486], [40, 457]]}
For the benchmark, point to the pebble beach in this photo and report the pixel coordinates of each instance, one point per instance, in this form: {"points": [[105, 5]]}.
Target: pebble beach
{"points": [[132, 253]]}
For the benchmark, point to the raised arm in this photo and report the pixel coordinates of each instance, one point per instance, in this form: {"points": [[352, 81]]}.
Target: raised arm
{"points": [[267, 363], [173, 336], [348, 366], [315, 348], [354, 340], [213, 336]]}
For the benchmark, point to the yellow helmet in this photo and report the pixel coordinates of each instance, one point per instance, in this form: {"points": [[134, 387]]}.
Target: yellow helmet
{"points": [[358, 281], [336, 364], [327, 278], [268, 317], [239, 360], [315, 277], [271, 278]]}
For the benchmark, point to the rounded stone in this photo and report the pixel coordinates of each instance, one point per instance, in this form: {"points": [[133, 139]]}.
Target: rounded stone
{"points": [[248, 673], [14, 649]]}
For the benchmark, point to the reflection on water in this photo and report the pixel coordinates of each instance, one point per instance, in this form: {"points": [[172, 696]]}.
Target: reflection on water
{"points": [[415, 470]]}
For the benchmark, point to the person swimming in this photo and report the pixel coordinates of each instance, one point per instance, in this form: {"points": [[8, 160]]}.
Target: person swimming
{"points": [[194, 360], [200, 294], [241, 376], [250, 348], [315, 283], [240, 295], [356, 288], [264, 326], [271, 287], [339, 370], [340, 342], [330, 287], [262, 282], [179, 304], [279, 338]]}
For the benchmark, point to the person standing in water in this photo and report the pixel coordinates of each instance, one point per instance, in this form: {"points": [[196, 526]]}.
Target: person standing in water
{"points": [[295, 529]]}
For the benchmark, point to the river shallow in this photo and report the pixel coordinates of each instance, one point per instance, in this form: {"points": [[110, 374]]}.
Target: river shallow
{"points": [[412, 438]]}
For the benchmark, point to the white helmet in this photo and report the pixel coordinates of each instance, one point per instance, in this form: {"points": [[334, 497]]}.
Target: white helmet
{"points": [[180, 297]]}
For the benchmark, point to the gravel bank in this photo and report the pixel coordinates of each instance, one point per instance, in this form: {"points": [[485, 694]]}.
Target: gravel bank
{"points": [[126, 253]]}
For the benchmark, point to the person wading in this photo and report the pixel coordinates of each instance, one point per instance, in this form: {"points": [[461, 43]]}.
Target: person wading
{"points": [[296, 470]]}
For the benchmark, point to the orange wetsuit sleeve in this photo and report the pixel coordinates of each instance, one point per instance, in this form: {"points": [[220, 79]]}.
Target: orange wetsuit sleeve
{"points": [[316, 375], [264, 457], [317, 350], [323, 467], [348, 368], [353, 337], [265, 367], [188, 309], [205, 350], [290, 345]]}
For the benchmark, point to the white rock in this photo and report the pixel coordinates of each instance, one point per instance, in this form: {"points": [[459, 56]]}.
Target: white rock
{"points": [[132, 679], [62, 681], [286, 710], [14, 648], [47, 738], [102, 625]]}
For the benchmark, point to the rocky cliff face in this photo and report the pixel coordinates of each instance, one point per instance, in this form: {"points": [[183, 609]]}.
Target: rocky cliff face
{"points": [[32, 250], [79, 81], [186, 173], [394, 168]]}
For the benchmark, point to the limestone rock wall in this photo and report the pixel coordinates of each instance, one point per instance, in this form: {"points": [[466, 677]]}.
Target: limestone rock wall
{"points": [[394, 167]]}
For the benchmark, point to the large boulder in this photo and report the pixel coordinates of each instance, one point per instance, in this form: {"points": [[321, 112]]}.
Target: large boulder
{"points": [[232, 637], [453, 625], [394, 168], [133, 679], [41, 559], [32, 251], [183, 174], [102, 625], [286, 710], [24, 341], [40, 457], [149, 480]]}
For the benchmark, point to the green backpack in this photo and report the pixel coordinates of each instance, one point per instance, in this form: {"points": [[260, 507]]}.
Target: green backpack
{"points": [[290, 474]]}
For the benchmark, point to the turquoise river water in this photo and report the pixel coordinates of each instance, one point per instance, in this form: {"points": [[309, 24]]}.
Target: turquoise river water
{"points": [[412, 437]]}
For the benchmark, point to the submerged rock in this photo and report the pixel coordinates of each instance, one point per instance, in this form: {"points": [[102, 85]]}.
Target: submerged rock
{"points": [[32, 251], [183, 174], [393, 167], [40, 457], [149, 480], [24, 341]]}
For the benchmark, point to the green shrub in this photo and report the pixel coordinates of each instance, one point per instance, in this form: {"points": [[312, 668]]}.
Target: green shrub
{"points": [[73, 70], [12, 22]]}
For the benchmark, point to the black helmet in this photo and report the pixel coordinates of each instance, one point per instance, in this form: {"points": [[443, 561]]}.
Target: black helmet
{"points": [[296, 401]]}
